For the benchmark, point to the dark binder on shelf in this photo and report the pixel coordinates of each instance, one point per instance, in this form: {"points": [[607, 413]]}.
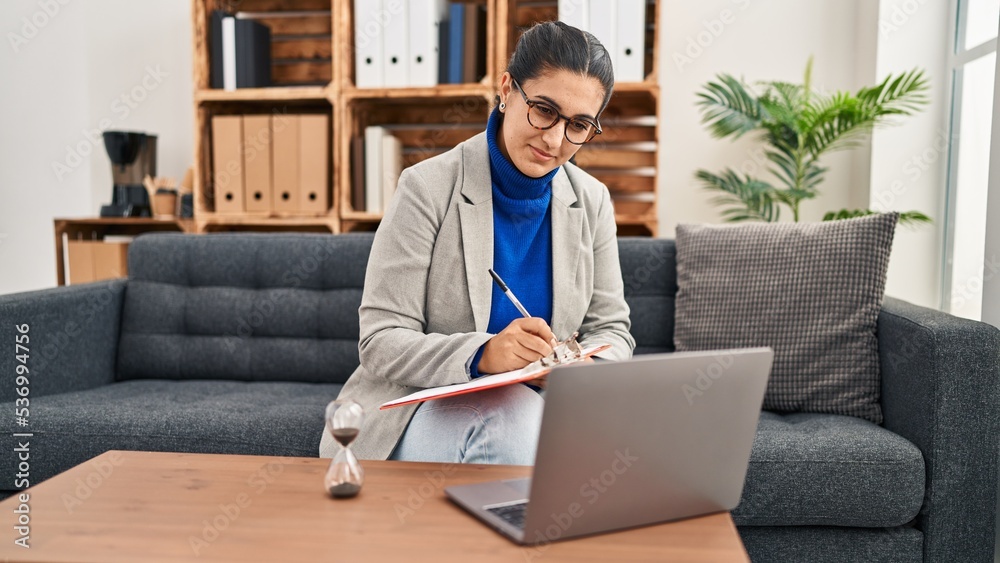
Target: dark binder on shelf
{"points": [[253, 54], [215, 49], [443, 51], [248, 49]]}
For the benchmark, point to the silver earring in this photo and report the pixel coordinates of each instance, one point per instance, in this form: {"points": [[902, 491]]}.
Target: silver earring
{"points": [[503, 106]]}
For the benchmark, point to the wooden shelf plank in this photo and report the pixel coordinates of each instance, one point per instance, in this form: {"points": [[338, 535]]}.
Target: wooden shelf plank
{"points": [[128, 221], [350, 215], [277, 93], [265, 220], [439, 91], [635, 219], [650, 87]]}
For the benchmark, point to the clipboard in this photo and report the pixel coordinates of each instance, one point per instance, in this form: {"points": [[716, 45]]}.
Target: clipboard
{"points": [[531, 371]]}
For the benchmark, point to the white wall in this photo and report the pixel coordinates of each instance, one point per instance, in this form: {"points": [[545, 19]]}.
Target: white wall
{"points": [[756, 40], [60, 88], [909, 162], [43, 101], [855, 43]]}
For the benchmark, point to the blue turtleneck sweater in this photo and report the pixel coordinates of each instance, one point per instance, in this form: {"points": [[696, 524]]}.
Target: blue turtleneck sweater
{"points": [[522, 239]]}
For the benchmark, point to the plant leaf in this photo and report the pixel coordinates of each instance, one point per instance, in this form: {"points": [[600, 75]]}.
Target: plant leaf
{"points": [[839, 121], [728, 108], [913, 218], [909, 218], [749, 199]]}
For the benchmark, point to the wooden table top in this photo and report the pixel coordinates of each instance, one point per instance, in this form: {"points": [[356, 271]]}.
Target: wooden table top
{"points": [[158, 506]]}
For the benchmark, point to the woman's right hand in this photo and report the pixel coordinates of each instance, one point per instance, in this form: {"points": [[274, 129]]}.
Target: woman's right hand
{"points": [[524, 341]]}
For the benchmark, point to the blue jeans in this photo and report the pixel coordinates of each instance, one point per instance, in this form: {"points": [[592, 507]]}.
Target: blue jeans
{"points": [[499, 425]]}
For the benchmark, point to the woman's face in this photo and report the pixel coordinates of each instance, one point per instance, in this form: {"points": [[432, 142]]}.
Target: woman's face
{"points": [[536, 152]]}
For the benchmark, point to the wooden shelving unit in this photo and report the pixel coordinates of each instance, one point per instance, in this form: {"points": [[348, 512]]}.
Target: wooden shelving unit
{"points": [[314, 71], [304, 39], [96, 228]]}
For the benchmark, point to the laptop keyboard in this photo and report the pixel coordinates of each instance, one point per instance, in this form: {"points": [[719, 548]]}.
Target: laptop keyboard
{"points": [[513, 514]]}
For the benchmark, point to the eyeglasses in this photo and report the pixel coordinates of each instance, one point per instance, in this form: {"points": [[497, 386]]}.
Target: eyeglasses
{"points": [[543, 116]]}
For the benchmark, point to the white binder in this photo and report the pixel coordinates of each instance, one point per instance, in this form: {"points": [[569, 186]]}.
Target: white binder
{"points": [[425, 21], [368, 33], [396, 44], [228, 53], [604, 25], [575, 13], [630, 56]]}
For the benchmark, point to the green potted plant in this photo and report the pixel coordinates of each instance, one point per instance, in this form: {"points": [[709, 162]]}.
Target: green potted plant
{"points": [[798, 126]]}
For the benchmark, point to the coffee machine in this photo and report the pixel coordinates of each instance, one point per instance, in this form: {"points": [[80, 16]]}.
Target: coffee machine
{"points": [[133, 156]]}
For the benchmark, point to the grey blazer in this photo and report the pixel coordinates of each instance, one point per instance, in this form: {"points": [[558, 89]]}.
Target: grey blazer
{"points": [[426, 301]]}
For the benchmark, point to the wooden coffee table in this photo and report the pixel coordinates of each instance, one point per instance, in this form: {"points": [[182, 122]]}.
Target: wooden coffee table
{"points": [[156, 506]]}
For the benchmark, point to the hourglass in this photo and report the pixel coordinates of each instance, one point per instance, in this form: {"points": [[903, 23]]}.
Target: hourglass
{"points": [[343, 422]]}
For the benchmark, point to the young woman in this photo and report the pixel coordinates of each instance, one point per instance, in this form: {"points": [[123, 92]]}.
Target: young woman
{"points": [[505, 199]]}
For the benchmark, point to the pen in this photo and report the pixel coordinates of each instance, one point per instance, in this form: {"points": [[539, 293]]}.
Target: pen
{"points": [[506, 291], [510, 295]]}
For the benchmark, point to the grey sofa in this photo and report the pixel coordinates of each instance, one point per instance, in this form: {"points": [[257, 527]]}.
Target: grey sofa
{"points": [[235, 343]]}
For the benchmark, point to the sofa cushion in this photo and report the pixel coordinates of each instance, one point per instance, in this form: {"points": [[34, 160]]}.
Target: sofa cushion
{"points": [[810, 469], [810, 291], [649, 271], [209, 416], [252, 307]]}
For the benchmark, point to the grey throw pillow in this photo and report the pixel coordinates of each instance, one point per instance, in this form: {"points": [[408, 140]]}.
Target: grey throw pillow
{"points": [[810, 291]]}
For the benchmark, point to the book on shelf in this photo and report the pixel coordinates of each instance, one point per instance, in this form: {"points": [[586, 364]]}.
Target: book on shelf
{"points": [[239, 52], [466, 49], [474, 60], [383, 163], [392, 166], [444, 50], [456, 41], [358, 173], [373, 168]]}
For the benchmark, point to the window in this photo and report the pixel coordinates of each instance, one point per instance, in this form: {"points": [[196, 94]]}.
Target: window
{"points": [[973, 66]]}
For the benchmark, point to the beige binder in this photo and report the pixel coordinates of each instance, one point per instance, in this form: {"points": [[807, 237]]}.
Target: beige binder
{"points": [[285, 163], [314, 153], [81, 261], [257, 162], [227, 163], [95, 260]]}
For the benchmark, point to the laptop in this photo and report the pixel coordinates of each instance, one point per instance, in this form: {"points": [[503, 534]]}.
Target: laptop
{"points": [[624, 444]]}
